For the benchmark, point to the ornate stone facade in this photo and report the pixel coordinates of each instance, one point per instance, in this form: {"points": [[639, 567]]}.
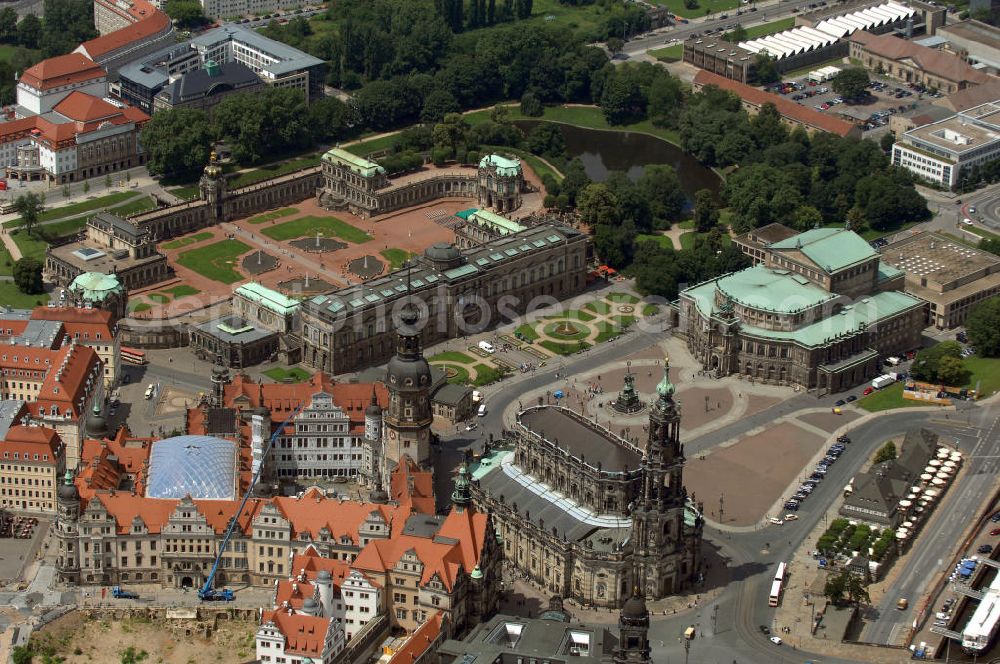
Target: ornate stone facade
{"points": [[623, 520]]}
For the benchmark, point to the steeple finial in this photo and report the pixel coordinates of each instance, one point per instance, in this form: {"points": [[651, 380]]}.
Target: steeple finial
{"points": [[665, 388]]}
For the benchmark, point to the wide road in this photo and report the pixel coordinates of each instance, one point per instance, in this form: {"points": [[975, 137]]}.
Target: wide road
{"points": [[987, 204], [936, 544], [766, 12]]}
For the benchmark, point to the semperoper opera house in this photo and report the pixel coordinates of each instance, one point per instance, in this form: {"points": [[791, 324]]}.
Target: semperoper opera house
{"points": [[819, 310]]}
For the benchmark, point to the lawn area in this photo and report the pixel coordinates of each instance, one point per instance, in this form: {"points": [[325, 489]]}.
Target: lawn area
{"points": [[605, 331], [216, 261], [458, 375], [366, 146], [564, 349], [574, 314], [677, 6], [139, 307], [667, 54], [185, 241], [273, 214], [181, 290], [185, 193], [396, 257], [598, 307], [159, 298], [540, 167], [261, 173], [770, 28], [78, 208], [986, 372], [30, 245], [687, 239], [872, 234], [6, 262], [527, 331], [63, 228], [283, 375], [624, 321], [650, 310], [622, 298], [889, 398], [661, 240], [588, 117], [308, 226], [981, 232], [452, 356], [486, 374], [7, 52], [12, 297], [567, 330], [142, 204]]}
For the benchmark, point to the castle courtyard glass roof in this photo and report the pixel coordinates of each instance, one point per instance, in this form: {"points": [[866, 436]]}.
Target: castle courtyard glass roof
{"points": [[200, 466]]}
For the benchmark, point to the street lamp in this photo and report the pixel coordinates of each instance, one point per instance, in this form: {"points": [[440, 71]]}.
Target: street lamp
{"points": [[687, 650]]}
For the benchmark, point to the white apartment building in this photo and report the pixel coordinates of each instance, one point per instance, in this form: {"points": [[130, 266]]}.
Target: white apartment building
{"points": [[940, 151], [237, 8], [362, 602], [47, 83]]}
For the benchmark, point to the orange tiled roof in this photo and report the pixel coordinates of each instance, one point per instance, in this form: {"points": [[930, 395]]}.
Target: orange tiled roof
{"points": [[439, 559], [411, 487], [304, 635], [786, 107], [310, 563], [16, 129], [62, 70], [419, 641], [154, 512], [149, 22], [81, 107], [938, 63], [315, 511], [82, 324], [64, 373], [29, 441], [103, 462], [470, 528]]}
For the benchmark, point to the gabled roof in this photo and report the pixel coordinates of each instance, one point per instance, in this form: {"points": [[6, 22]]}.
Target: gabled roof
{"points": [[151, 23], [304, 635], [938, 63], [831, 249], [81, 107], [314, 511], [33, 440], [155, 512], [411, 487], [62, 70], [420, 641], [786, 107]]}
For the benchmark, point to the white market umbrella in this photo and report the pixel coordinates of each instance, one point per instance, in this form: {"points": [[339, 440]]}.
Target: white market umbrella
{"points": [[916, 489], [937, 481], [907, 524], [930, 469], [945, 471], [934, 462], [901, 533], [956, 456], [950, 464], [905, 503], [931, 493], [942, 453], [927, 477], [912, 496]]}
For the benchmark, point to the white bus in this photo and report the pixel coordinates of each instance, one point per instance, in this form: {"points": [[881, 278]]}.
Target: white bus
{"points": [[776, 584], [781, 572]]}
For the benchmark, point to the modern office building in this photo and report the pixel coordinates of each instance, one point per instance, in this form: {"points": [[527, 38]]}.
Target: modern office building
{"points": [[820, 311], [238, 8], [951, 277], [941, 151]]}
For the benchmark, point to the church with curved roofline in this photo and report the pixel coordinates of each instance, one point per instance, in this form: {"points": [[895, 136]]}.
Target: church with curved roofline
{"points": [[819, 311], [588, 515]]}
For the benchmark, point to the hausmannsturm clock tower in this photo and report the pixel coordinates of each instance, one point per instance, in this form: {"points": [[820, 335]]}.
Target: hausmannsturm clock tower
{"points": [[407, 422]]}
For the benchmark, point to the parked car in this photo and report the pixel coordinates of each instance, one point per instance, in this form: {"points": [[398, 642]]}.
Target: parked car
{"points": [[840, 402], [985, 548], [792, 505], [995, 518], [776, 640], [776, 521], [794, 517], [851, 398], [765, 629], [995, 532]]}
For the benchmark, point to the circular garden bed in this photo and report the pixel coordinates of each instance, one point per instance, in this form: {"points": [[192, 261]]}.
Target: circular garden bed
{"points": [[567, 329]]}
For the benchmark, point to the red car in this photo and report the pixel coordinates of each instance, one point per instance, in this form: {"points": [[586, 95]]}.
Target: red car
{"points": [[995, 532], [868, 390]]}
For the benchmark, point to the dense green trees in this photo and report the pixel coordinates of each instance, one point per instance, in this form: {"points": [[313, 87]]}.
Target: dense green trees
{"points": [[706, 211], [659, 187], [632, 92], [851, 83], [28, 275], [927, 364], [66, 24], [177, 142], [188, 14], [264, 124], [659, 269], [29, 206], [983, 327]]}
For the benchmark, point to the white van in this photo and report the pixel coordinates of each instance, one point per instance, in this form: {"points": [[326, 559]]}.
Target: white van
{"points": [[482, 410], [486, 347], [149, 392]]}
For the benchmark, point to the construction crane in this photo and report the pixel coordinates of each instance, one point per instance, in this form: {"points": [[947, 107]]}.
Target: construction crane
{"points": [[207, 593]]}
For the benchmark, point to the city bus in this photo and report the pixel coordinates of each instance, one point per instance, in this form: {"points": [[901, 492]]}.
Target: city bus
{"points": [[133, 356], [776, 584]]}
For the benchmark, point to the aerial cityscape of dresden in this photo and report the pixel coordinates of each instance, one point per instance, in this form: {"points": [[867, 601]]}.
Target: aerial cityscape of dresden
{"points": [[499, 331]]}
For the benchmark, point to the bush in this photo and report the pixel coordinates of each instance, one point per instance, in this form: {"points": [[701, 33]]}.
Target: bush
{"points": [[531, 105], [886, 453]]}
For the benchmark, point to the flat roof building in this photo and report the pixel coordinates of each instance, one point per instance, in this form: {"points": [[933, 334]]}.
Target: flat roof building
{"points": [[943, 150], [950, 276], [979, 41]]}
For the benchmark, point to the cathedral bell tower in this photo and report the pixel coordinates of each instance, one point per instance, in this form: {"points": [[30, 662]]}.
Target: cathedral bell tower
{"points": [[67, 530], [658, 530], [407, 422], [633, 633]]}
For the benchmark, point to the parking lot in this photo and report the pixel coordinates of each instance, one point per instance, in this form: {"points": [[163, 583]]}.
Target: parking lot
{"points": [[886, 98]]}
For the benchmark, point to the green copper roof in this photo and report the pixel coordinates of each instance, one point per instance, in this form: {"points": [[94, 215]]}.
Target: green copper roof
{"points": [[359, 165], [780, 291], [867, 311], [504, 166], [277, 302], [502, 224], [96, 285], [665, 388], [886, 271], [832, 249]]}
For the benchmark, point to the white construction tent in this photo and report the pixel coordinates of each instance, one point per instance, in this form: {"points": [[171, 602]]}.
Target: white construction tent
{"points": [[803, 39], [823, 74]]}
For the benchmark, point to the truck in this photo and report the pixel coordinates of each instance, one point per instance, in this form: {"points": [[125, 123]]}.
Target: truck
{"points": [[120, 593], [213, 595], [883, 381]]}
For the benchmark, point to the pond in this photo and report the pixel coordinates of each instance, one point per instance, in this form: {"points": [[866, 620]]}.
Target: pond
{"points": [[603, 151]]}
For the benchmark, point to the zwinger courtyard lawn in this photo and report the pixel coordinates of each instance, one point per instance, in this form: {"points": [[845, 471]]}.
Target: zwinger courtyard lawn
{"points": [[216, 261], [309, 226]]}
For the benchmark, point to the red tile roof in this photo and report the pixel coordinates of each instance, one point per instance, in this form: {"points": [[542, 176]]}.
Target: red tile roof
{"points": [[82, 107], [304, 635], [411, 487], [153, 23], [315, 511], [67, 374], [420, 641], [62, 70], [104, 462], [787, 108], [29, 441], [80, 323], [154, 512]]}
